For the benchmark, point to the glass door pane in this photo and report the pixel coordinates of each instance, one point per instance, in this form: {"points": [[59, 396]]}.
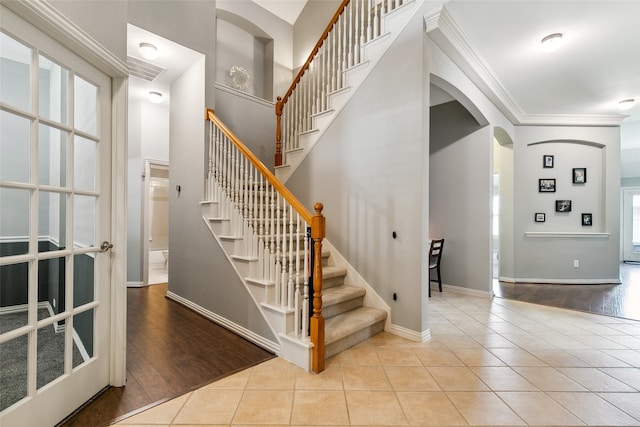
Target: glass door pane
{"points": [[15, 73], [15, 136], [635, 224], [53, 91]]}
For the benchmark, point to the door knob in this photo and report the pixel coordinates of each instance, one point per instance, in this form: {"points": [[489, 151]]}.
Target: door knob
{"points": [[105, 246]]}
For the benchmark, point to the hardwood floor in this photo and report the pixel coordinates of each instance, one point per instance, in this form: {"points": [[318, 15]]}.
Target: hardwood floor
{"points": [[170, 351], [621, 300]]}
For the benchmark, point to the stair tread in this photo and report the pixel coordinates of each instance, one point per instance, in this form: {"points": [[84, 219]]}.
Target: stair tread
{"points": [[352, 321], [338, 294]]}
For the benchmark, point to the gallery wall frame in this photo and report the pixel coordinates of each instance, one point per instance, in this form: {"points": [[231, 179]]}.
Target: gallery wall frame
{"points": [[539, 217], [579, 175], [563, 205], [587, 220], [547, 161], [547, 185]]}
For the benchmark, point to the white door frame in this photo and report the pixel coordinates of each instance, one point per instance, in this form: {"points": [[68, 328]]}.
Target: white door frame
{"points": [[60, 28], [626, 226], [146, 226]]}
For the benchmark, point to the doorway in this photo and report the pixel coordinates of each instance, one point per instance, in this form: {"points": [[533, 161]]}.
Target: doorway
{"points": [[156, 233], [631, 224], [56, 200]]}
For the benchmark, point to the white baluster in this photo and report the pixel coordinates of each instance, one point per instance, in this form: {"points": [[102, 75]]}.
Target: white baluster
{"points": [[297, 283], [305, 289], [272, 236], [283, 278], [278, 271], [290, 283]]}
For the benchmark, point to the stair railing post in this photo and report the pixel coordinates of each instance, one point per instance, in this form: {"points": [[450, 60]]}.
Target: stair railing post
{"points": [[318, 232], [278, 159]]}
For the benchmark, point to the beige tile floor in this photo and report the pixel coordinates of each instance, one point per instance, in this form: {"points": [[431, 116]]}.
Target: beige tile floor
{"points": [[490, 362]]}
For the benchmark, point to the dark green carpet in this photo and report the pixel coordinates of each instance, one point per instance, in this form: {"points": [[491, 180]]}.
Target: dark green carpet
{"points": [[13, 359]]}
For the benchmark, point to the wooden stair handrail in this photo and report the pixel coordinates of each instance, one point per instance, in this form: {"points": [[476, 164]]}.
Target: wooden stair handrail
{"points": [[283, 100], [318, 233]]}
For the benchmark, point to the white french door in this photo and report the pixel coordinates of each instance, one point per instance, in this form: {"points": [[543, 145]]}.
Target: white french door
{"points": [[55, 214], [631, 224]]}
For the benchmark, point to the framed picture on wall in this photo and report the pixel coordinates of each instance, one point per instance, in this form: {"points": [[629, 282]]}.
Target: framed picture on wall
{"points": [[563, 205], [579, 175], [587, 220], [547, 185], [547, 161], [540, 217]]}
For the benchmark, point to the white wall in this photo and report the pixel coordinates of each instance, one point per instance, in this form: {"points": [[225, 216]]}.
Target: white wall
{"points": [[503, 165]]}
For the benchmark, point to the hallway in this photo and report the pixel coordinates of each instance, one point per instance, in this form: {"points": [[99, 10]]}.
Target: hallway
{"points": [[171, 350]]}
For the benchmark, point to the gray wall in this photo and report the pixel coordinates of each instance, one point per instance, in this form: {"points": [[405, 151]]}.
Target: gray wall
{"points": [[309, 26], [551, 258], [367, 171], [198, 269], [459, 194], [234, 109]]}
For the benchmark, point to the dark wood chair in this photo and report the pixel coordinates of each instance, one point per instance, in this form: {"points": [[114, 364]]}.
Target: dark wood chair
{"points": [[435, 255]]}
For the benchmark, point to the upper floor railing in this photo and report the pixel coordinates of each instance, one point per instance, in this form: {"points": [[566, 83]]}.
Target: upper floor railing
{"points": [[339, 48], [272, 226]]}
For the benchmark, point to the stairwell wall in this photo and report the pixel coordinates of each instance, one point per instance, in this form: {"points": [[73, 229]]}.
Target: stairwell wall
{"points": [[367, 170]]}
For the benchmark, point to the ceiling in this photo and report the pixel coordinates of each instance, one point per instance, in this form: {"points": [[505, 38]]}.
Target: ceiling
{"points": [[581, 83], [597, 65], [497, 44]]}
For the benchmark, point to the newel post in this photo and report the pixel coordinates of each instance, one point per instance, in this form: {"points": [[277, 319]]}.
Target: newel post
{"points": [[318, 231], [279, 105]]}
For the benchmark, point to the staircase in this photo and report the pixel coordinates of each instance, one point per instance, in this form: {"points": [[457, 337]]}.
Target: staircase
{"points": [[263, 229], [350, 48]]}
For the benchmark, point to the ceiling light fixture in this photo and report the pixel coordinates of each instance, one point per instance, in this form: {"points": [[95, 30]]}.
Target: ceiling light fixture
{"points": [[625, 104], [148, 51], [155, 97], [551, 42]]}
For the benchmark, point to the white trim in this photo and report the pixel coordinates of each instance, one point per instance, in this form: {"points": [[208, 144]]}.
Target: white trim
{"points": [[226, 323], [563, 281], [462, 290], [118, 255], [446, 33], [410, 334], [564, 234], [10, 309], [139, 284], [81, 348], [49, 20], [240, 94]]}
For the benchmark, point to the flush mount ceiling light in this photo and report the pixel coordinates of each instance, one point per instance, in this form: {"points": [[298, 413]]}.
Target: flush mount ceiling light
{"points": [[155, 97], [148, 51], [551, 42], [625, 104]]}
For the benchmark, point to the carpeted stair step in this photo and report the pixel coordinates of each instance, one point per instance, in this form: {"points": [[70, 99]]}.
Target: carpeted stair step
{"points": [[348, 329], [340, 299]]}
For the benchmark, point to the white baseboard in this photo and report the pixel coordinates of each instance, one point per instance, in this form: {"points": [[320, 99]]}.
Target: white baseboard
{"points": [[226, 323], [135, 284], [410, 334], [561, 281], [462, 290]]}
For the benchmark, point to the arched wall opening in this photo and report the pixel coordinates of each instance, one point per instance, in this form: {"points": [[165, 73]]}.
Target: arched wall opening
{"points": [[460, 186], [244, 56], [502, 206]]}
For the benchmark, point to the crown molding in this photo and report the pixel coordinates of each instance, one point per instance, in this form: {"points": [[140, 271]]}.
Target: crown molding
{"points": [[48, 19], [449, 37]]}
